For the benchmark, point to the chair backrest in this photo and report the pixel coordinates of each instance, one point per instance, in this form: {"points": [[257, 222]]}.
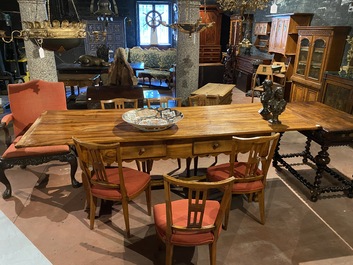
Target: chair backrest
{"points": [[164, 102], [265, 70], [255, 154], [283, 68], [197, 193], [29, 100], [93, 158], [119, 103]]}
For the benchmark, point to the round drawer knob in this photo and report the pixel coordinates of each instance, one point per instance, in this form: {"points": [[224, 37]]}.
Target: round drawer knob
{"points": [[142, 151], [215, 145]]}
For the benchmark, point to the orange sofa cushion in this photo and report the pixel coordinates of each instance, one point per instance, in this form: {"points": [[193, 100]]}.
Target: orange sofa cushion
{"points": [[12, 151]]}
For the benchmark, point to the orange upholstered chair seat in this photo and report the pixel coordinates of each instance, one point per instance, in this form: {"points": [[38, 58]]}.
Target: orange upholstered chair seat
{"points": [[221, 172], [135, 182]]}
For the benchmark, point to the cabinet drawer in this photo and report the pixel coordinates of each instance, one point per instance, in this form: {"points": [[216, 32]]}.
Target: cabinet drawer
{"points": [[144, 151], [212, 147]]}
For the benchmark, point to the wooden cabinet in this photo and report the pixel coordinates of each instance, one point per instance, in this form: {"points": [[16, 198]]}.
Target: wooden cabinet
{"points": [[116, 35], [240, 27], [337, 92], [210, 39], [319, 49], [284, 34], [262, 33]]}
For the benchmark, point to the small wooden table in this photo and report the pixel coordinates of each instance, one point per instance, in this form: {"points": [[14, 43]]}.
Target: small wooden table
{"points": [[212, 90], [79, 80]]}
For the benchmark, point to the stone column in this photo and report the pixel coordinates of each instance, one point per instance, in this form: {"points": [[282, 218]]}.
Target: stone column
{"points": [[39, 68], [187, 67]]}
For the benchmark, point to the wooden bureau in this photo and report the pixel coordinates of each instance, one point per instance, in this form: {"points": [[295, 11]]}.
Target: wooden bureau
{"points": [[244, 70]]}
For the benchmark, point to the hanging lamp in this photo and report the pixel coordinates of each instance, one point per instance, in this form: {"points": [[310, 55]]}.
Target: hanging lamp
{"points": [[50, 35], [189, 27]]}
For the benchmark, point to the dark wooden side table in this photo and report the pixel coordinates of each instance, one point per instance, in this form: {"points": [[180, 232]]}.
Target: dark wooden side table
{"points": [[336, 129], [77, 75], [244, 69]]}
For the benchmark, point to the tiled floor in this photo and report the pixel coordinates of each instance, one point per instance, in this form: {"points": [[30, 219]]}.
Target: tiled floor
{"points": [[297, 231]]}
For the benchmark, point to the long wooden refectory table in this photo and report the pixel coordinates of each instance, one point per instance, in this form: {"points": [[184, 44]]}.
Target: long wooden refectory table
{"points": [[203, 130]]}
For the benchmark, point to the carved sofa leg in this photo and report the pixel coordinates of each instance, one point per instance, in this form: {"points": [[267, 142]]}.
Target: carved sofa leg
{"points": [[72, 160], [69, 157], [3, 179]]}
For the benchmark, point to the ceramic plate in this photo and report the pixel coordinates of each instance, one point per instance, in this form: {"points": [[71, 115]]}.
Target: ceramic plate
{"points": [[152, 120]]}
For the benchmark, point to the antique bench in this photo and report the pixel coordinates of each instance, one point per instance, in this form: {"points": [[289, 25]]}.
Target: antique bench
{"points": [[159, 64]]}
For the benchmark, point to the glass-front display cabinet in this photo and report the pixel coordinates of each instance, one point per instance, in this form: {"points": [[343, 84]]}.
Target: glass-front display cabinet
{"points": [[317, 58], [311, 57], [319, 49]]}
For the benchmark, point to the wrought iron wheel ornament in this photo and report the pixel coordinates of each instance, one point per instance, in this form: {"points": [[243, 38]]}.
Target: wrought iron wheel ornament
{"points": [[153, 19]]}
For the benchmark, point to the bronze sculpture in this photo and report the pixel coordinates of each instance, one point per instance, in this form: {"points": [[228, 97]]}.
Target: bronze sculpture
{"points": [[277, 105], [265, 98]]}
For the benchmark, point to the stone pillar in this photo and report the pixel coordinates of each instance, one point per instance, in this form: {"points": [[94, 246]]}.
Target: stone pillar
{"points": [[39, 68], [187, 66]]}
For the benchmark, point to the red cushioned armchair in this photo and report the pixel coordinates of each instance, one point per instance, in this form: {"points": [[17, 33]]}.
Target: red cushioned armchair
{"points": [[27, 102]]}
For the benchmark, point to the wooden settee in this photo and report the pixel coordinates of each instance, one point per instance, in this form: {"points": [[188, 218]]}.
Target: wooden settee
{"points": [[159, 64]]}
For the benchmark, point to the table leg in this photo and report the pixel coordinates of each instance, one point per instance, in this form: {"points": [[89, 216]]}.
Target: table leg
{"points": [[322, 159]]}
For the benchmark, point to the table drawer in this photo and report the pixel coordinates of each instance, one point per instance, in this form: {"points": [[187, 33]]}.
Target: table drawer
{"points": [[212, 147], [179, 150], [144, 151]]}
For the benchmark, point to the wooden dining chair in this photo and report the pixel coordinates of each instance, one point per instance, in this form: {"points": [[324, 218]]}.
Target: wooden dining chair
{"points": [[249, 162], [164, 102], [263, 72], [194, 220], [280, 74], [122, 103], [119, 103], [118, 183]]}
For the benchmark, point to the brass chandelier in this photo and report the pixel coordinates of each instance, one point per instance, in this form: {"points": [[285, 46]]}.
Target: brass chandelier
{"points": [[50, 35], [240, 6], [62, 36]]}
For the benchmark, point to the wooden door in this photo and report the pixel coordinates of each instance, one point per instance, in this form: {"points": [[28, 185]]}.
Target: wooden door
{"points": [[283, 34], [272, 43]]}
